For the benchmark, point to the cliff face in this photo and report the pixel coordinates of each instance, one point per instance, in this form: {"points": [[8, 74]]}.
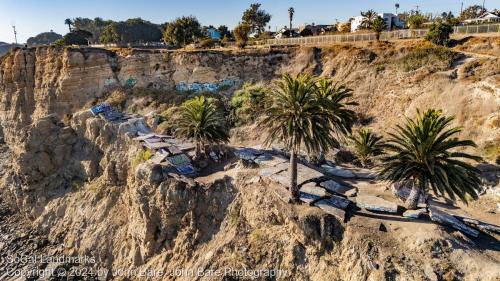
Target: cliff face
{"points": [[74, 177]]}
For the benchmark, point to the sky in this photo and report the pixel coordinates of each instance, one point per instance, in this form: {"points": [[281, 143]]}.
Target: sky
{"points": [[35, 16]]}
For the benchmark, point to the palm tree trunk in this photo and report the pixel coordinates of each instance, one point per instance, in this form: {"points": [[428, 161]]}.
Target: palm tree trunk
{"points": [[412, 200], [294, 190]]}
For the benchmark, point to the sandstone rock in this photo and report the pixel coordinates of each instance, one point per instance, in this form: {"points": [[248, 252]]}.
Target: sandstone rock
{"points": [[442, 217], [374, 203]]}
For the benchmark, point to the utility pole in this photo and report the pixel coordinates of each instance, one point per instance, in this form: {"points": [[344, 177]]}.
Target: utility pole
{"points": [[483, 4], [15, 33]]}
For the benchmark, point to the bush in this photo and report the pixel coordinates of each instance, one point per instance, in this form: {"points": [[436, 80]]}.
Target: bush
{"points": [[248, 102], [439, 33], [439, 57], [207, 43], [241, 34], [141, 157], [117, 99]]}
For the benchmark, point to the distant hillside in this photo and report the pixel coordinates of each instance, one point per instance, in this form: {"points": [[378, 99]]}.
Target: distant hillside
{"points": [[5, 47], [44, 38]]}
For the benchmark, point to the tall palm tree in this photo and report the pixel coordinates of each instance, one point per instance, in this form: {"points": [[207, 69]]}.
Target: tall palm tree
{"points": [[202, 122], [366, 144], [69, 23], [291, 11], [297, 115], [397, 8], [421, 152], [369, 17]]}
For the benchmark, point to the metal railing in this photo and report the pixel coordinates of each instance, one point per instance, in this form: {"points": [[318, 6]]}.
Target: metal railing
{"points": [[398, 34]]}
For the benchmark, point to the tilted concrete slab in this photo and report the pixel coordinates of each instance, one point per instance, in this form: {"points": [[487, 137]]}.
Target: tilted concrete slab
{"points": [[327, 207], [339, 172], [336, 187], [374, 203], [441, 217], [312, 188], [308, 198], [414, 214]]}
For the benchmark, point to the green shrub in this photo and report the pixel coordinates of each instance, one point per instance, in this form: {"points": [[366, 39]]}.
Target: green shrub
{"points": [[241, 34], [439, 33], [247, 103], [142, 156], [207, 43], [437, 56]]}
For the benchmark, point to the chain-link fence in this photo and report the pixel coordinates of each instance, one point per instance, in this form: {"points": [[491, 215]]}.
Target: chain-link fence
{"points": [[398, 34]]}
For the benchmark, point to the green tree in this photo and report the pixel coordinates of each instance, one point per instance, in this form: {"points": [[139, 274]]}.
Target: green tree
{"points": [[256, 18], [368, 18], [241, 34], [110, 34], [424, 151], [69, 23], [224, 31], [439, 33], [472, 12], [366, 145], [248, 102], [297, 115], [75, 37], [182, 31], [202, 122], [378, 25], [291, 12], [416, 20]]}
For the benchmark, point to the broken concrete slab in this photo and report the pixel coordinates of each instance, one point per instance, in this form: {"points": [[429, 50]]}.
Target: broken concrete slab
{"points": [[364, 174], [338, 202], [403, 190], [339, 172], [414, 214], [312, 188], [442, 217], [336, 187], [480, 225], [158, 158], [269, 160], [308, 198], [326, 206], [266, 172], [281, 178], [374, 203]]}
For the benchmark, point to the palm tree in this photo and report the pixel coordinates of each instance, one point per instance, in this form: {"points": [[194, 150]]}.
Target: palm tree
{"points": [[291, 11], [202, 122], [378, 25], [366, 144], [69, 23], [420, 152], [297, 115], [397, 7], [369, 17]]}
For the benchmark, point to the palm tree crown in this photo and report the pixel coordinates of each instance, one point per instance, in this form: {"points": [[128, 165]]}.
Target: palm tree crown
{"points": [[366, 144], [421, 151], [369, 17], [299, 113], [201, 121]]}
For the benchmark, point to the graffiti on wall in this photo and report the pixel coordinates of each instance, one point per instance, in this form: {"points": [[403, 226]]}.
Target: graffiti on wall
{"points": [[130, 83], [205, 87], [110, 82]]}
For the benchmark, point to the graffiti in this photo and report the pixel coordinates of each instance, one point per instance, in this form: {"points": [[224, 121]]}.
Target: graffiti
{"points": [[109, 82], [205, 87], [130, 83]]}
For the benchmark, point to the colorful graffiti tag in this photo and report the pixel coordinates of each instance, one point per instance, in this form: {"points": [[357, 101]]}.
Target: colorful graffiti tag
{"points": [[130, 83], [205, 87]]}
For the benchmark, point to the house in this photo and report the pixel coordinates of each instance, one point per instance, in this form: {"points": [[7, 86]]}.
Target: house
{"points": [[315, 29], [285, 33], [488, 17], [214, 33], [391, 20]]}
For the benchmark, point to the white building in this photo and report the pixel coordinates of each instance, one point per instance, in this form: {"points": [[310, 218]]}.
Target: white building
{"points": [[391, 20], [484, 18]]}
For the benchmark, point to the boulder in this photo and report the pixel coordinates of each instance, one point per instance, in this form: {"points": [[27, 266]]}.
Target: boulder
{"points": [[444, 218], [339, 172], [414, 214], [374, 203]]}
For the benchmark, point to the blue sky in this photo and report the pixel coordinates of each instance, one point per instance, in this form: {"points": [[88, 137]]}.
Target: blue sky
{"points": [[34, 16]]}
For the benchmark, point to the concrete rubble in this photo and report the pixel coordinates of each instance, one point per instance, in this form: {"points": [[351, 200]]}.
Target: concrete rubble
{"points": [[441, 217], [339, 172], [374, 203], [414, 214], [336, 187]]}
